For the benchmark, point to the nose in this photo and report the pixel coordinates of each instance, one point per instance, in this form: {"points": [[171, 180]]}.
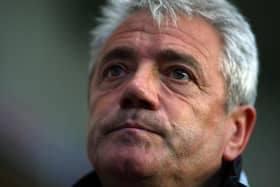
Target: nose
{"points": [[141, 91]]}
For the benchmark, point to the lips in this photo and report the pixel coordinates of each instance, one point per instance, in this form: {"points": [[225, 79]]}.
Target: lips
{"points": [[130, 124]]}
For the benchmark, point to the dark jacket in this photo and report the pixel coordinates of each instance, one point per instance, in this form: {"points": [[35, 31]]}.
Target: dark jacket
{"points": [[232, 172]]}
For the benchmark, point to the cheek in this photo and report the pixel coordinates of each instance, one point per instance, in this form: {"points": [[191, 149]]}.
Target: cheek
{"points": [[186, 139], [101, 104], [178, 111], [186, 132], [193, 123]]}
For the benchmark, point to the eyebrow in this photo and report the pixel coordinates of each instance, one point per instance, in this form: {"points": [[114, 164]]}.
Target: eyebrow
{"points": [[121, 53], [169, 55], [165, 55]]}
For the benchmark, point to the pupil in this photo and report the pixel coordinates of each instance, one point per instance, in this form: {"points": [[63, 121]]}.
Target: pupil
{"points": [[179, 74], [115, 71]]}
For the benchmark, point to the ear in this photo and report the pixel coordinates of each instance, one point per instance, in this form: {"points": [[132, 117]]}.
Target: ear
{"points": [[239, 128]]}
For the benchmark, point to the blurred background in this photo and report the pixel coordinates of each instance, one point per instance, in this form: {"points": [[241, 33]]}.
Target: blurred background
{"points": [[43, 92]]}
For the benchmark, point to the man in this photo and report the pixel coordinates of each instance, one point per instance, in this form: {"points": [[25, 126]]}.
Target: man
{"points": [[171, 93]]}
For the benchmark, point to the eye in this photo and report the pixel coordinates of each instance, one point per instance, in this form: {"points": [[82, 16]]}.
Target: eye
{"points": [[114, 71], [179, 74]]}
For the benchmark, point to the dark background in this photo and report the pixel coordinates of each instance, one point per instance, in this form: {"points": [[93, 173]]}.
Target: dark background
{"points": [[43, 100]]}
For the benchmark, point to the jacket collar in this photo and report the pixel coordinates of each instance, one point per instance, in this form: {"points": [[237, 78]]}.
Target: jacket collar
{"points": [[233, 172]]}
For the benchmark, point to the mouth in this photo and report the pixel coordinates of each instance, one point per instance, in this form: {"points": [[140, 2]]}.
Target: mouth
{"points": [[132, 125]]}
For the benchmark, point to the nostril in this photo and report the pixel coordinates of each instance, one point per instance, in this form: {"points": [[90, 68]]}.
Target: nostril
{"points": [[133, 102], [145, 104], [127, 103]]}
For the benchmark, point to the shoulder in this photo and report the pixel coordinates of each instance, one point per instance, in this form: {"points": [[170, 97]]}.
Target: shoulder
{"points": [[90, 180]]}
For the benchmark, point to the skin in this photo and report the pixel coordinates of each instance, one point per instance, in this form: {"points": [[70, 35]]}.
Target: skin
{"points": [[156, 106]]}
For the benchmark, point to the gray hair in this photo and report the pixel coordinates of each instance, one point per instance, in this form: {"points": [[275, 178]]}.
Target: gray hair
{"points": [[239, 65]]}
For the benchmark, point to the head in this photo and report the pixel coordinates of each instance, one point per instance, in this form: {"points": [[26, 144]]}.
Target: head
{"points": [[171, 90]]}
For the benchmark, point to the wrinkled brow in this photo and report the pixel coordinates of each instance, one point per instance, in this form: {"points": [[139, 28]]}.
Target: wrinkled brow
{"points": [[163, 55], [121, 53]]}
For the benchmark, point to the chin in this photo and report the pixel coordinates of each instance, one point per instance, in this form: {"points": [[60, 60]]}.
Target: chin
{"points": [[126, 162], [128, 154]]}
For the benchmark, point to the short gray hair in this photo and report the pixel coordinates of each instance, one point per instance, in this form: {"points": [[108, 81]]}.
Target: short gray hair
{"points": [[239, 64]]}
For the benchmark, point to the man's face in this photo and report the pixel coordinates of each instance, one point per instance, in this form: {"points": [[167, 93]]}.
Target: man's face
{"points": [[157, 100]]}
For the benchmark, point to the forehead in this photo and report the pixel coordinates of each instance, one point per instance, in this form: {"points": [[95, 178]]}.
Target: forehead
{"points": [[188, 32]]}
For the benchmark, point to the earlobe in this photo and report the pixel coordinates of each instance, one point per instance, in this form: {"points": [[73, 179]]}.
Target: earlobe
{"points": [[241, 122]]}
